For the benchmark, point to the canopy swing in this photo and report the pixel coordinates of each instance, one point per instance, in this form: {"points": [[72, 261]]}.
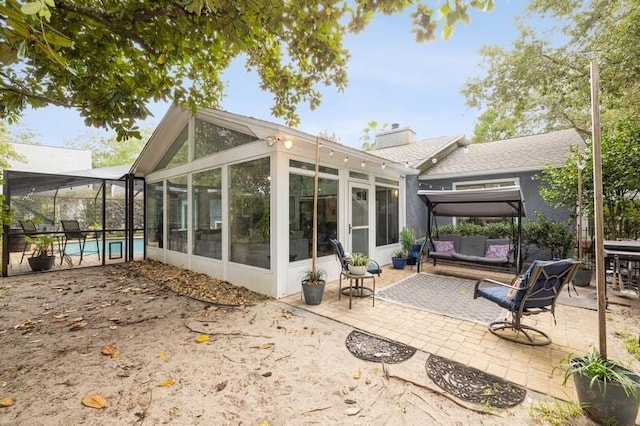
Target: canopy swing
{"points": [[505, 202]]}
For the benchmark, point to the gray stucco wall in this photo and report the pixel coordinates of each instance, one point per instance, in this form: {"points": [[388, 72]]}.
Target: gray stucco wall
{"points": [[416, 208]]}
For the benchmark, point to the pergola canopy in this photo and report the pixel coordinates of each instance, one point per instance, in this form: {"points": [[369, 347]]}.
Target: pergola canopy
{"points": [[485, 202]]}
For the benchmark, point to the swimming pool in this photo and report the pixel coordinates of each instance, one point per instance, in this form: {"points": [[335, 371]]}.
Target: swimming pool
{"points": [[114, 247]]}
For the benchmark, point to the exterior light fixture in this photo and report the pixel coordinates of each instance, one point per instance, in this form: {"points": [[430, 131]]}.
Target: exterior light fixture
{"points": [[272, 140], [331, 153], [346, 159], [288, 143], [384, 166], [363, 164], [434, 160]]}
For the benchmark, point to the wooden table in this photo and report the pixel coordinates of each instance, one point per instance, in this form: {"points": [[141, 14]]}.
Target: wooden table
{"points": [[359, 289]]}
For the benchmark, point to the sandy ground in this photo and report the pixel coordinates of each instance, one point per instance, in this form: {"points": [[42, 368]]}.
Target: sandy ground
{"points": [[156, 357]]}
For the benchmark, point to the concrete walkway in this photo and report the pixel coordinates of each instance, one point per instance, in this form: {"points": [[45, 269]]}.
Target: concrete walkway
{"points": [[472, 344]]}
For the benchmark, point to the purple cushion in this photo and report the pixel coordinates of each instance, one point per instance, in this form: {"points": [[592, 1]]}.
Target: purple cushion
{"points": [[444, 246], [497, 251]]}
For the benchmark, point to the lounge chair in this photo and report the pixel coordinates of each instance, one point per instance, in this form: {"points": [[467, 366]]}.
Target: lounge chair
{"points": [[72, 232], [535, 292]]}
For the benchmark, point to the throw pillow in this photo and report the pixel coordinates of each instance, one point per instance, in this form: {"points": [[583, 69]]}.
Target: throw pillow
{"points": [[444, 246], [497, 251]]}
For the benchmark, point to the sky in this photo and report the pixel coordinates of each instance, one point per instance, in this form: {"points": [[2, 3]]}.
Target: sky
{"points": [[392, 79]]}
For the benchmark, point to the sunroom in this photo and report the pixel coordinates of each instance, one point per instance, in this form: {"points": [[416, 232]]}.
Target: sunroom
{"points": [[232, 196]]}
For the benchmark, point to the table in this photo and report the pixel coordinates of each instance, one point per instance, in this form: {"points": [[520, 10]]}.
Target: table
{"points": [[632, 257], [359, 290]]}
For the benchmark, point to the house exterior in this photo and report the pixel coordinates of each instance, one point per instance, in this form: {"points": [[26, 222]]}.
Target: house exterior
{"points": [[232, 197], [49, 159], [453, 163]]}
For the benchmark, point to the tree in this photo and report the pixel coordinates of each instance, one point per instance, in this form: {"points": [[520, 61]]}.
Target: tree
{"points": [[542, 84], [108, 59], [108, 151], [368, 137], [7, 153], [621, 186]]}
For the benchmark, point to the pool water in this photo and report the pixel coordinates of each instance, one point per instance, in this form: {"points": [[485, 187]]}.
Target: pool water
{"points": [[117, 247]]}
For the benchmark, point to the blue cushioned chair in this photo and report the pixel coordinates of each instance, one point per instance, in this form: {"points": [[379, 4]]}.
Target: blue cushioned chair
{"points": [[535, 292]]}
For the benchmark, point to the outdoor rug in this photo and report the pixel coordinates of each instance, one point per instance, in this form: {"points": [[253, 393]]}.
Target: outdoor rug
{"points": [[372, 348], [472, 385], [445, 295]]}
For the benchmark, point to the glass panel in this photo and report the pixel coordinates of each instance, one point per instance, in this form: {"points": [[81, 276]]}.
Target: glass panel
{"points": [[177, 201], [301, 220], [387, 216], [211, 138], [206, 194], [249, 212], [358, 175], [154, 214], [309, 166], [360, 241], [178, 153], [387, 181], [359, 207]]}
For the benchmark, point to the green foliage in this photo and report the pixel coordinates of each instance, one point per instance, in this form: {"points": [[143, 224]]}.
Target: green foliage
{"points": [[556, 413], [631, 342], [500, 229], [599, 369], [406, 239], [399, 254], [357, 259], [621, 188], [109, 59], [42, 243], [549, 234], [108, 151], [368, 137], [313, 276], [541, 82]]}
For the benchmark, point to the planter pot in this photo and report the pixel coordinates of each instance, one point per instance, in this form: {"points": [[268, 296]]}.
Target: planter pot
{"points": [[313, 292], [415, 253], [357, 270], [398, 262], [41, 263], [583, 278], [606, 404]]}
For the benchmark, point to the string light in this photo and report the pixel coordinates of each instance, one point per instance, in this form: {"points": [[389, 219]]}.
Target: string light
{"points": [[331, 153], [384, 166], [346, 159], [363, 164]]}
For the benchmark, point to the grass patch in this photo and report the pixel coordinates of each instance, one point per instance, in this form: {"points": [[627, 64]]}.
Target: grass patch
{"points": [[631, 342], [555, 413]]}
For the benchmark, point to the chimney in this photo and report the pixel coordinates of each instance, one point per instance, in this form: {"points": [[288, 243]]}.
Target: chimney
{"points": [[395, 137]]}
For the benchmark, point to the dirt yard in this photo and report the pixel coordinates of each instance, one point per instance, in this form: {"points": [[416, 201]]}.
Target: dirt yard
{"points": [[121, 338]]}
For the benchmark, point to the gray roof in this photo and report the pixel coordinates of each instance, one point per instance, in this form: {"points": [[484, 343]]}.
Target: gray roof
{"points": [[416, 153], [527, 153]]}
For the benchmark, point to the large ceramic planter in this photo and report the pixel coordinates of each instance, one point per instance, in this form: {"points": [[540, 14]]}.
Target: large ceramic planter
{"points": [[398, 262], [606, 404], [357, 270], [313, 292], [41, 263], [583, 278]]}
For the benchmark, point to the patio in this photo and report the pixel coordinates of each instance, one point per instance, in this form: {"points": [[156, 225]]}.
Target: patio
{"points": [[471, 344]]}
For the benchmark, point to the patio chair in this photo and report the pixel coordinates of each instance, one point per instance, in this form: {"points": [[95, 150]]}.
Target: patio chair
{"points": [[30, 230], [535, 292], [73, 233], [373, 267]]}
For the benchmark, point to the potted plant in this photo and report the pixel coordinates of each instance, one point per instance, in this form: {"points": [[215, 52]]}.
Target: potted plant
{"points": [[607, 392], [406, 241], [313, 286], [42, 258], [399, 259], [358, 263]]}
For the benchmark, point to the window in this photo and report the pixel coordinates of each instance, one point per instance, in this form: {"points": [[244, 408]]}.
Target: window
{"points": [[301, 218], [311, 167], [206, 193], [210, 138], [387, 216], [177, 213], [249, 212], [178, 153], [154, 214]]}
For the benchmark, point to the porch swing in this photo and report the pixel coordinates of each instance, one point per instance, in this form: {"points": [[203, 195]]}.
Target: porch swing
{"points": [[503, 202]]}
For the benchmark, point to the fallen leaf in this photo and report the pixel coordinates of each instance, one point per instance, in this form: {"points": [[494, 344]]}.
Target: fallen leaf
{"points": [[161, 355], [357, 375], [349, 401], [202, 338], [166, 383], [263, 423], [221, 385], [108, 350], [266, 346], [267, 374], [94, 401], [6, 402], [287, 314], [78, 326]]}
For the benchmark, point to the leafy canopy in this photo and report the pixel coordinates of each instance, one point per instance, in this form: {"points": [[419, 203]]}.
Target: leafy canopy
{"points": [[109, 58], [542, 82]]}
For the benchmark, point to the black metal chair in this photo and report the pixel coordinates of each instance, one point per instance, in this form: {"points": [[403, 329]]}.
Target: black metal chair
{"points": [[373, 267], [72, 232], [533, 293], [30, 230]]}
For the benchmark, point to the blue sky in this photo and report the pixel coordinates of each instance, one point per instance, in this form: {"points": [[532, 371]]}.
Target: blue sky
{"points": [[393, 79]]}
